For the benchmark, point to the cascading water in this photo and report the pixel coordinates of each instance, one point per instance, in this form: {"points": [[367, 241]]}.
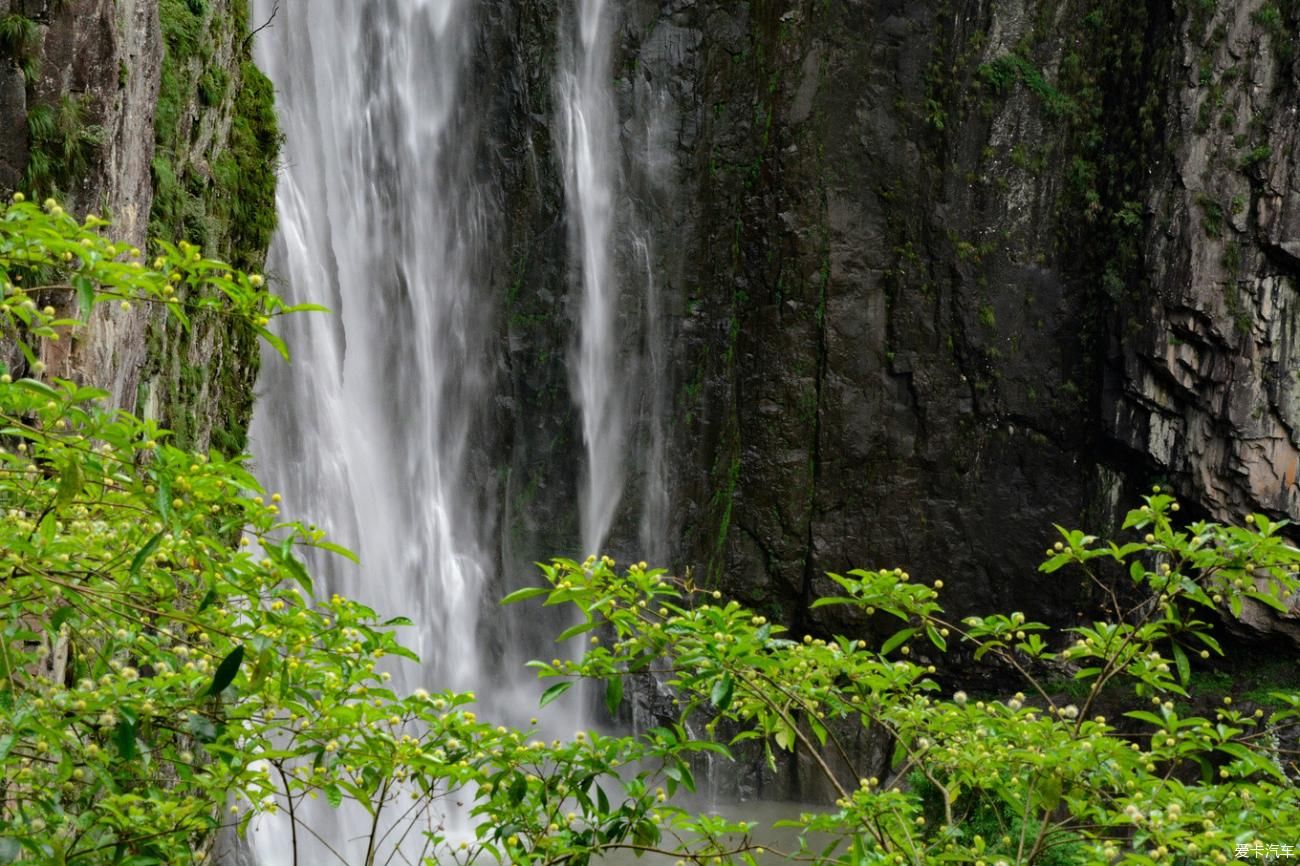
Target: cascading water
{"points": [[587, 126], [370, 431], [383, 219]]}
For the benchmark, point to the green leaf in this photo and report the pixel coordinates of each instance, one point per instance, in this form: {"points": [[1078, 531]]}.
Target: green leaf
{"points": [[1048, 789], [613, 694], [721, 693], [339, 549], [201, 727], [39, 388], [518, 788], [283, 556], [71, 482], [226, 671], [334, 795], [1055, 563], [1144, 716], [208, 598], [575, 630], [554, 692], [899, 638], [524, 594], [1253, 759], [275, 343], [936, 638], [60, 616], [85, 290], [124, 739], [149, 547], [163, 499], [1184, 669], [645, 833]]}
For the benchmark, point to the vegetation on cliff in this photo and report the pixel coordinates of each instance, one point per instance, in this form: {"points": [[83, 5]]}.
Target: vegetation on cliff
{"points": [[214, 171]]}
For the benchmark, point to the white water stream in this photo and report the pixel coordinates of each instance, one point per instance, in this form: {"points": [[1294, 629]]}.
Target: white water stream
{"points": [[370, 431], [587, 128]]}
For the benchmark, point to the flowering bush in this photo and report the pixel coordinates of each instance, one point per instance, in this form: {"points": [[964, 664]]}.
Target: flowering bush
{"points": [[166, 669], [1033, 777]]}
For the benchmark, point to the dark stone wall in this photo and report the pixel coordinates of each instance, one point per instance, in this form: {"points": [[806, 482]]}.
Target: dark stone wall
{"points": [[937, 275]]}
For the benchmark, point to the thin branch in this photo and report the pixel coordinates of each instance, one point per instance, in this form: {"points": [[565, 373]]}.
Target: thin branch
{"points": [[256, 30]]}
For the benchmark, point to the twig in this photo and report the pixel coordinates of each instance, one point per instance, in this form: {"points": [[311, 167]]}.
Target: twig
{"points": [[249, 38]]}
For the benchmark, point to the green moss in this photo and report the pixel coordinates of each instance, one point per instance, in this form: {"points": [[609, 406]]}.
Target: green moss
{"points": [[220, 196], [723, 499], [254, 143], [1255, 156], [1202, 11], [1010, 69], [1237, 307], [1232, 257], [212, 86], [1211, 215]]}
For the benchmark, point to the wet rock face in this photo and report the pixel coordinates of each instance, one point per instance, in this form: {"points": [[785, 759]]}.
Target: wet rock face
{"points": [[879, 361], [1208, 390], [946, 274]]}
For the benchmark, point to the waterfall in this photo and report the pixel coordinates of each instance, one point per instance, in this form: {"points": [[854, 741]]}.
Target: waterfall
{"points": [[386, 219], [370, 430], [587, 128]]}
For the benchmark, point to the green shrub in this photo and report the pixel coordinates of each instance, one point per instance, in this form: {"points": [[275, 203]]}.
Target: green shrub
{"points": [[166, 669]]}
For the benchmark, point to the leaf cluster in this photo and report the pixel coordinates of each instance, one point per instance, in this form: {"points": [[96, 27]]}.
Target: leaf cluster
{"points": [[1059, 781], [168, 668]]}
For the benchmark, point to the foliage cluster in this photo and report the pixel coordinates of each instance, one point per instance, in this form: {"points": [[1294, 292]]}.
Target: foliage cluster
{"points": [[167, 670], [61, 145], [1059, 780], [20, 39], [219, 194]]}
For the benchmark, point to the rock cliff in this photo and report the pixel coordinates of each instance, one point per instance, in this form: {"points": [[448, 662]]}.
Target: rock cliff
{"points": [[149, 112], [935, 276], [957, 271]]}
